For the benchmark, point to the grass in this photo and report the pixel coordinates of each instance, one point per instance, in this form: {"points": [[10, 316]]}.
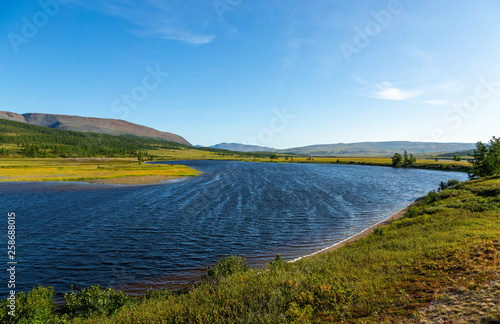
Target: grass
{"points": [[447, 246], [105, 170]]}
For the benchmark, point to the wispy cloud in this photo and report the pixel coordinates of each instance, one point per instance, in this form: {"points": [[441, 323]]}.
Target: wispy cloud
{"points": [[386, 91], [181, 20], [395, 94], [435, 102]]}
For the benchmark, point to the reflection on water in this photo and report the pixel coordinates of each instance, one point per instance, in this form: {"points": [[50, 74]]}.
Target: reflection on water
{"points": [[162, 235]]}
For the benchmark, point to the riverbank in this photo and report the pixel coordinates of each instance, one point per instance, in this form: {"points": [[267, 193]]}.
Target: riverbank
{"points": [[99, 170], [365, 233], [444, 253]]}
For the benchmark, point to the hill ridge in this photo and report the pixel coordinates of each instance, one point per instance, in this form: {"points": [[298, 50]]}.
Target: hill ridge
{"points": [[92, 124]]}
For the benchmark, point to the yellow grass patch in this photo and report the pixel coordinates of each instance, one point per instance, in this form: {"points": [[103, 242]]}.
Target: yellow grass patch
{"points": [[88, 169]]}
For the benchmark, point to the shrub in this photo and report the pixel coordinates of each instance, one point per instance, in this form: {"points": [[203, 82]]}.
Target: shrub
{"points": [[33, 307], [93, 301], [226, 266], [431, 197], [450, 184], [277, 264], [161, 294], [411, 212]]}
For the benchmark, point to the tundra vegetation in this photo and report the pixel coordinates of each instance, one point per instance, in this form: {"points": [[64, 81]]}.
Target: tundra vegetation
{"points": [[124, 171]]}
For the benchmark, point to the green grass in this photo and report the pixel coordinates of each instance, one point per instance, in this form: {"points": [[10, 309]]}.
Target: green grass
{"points": [[449, 243], [111, 170]]}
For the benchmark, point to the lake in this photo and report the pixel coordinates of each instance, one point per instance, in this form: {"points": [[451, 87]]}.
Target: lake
{"points": [[163, 235]]}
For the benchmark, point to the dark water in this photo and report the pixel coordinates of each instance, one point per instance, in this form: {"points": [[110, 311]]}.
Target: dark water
{"points": [[162, 235]]}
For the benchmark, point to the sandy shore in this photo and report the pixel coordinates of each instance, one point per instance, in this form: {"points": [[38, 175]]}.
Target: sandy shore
{"points": [[364, 233]]}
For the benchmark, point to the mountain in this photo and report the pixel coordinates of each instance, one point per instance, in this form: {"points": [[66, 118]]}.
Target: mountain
{"points": [[242, 147], [23, 139], [89, 124], [375, 149]]}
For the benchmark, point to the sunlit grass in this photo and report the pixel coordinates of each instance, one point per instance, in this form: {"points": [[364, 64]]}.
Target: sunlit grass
{"points": [[23, 170]]}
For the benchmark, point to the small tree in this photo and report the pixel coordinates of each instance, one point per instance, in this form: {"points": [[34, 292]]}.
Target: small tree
{"points": [[140, 157], [485, 159], [408, 160], [405, 157], [397, 160], [412, 159]]}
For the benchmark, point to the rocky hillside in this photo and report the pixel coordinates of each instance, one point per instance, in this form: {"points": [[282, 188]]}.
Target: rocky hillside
{"points": [[96, 125]]}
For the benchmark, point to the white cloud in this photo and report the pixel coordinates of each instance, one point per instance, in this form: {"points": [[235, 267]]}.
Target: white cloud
{"points": [[388, 92], [180, 20]]}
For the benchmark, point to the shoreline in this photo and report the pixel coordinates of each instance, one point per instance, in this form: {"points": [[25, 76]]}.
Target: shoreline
{"points": [[363, 234]]}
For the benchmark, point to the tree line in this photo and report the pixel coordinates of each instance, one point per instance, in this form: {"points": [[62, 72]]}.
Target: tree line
{"points": [[404, 160]]}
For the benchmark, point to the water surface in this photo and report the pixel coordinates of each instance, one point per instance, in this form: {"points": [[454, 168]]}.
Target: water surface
{"points": [[162, 235]]}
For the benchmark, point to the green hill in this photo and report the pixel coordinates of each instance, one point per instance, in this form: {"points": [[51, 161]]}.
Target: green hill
{"points": [[91, 124], [22, 139]]}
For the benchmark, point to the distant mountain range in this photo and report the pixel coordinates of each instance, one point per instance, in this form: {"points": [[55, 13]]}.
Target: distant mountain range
{"points": [[379, 148], [89, 124], [373, 149], [242, 147]]}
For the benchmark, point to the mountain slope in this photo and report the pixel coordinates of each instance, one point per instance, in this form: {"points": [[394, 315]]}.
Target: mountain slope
{"points": [[242, 147], [379, 148], [89, 124], [23, 139]]}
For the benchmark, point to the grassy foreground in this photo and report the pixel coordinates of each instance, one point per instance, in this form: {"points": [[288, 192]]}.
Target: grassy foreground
{"points": [[118, 171], [442, 260]]}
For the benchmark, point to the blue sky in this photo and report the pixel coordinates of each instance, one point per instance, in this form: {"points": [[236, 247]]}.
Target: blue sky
{"points": [[272, 73]]}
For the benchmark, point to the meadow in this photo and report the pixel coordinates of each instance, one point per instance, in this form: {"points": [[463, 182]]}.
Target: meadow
{"points": [[126, 171], [441, 260]]}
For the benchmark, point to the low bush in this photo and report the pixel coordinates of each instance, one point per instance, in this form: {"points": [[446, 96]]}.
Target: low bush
{"points": [[450, 184], [37, 306], [93, 301]]}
